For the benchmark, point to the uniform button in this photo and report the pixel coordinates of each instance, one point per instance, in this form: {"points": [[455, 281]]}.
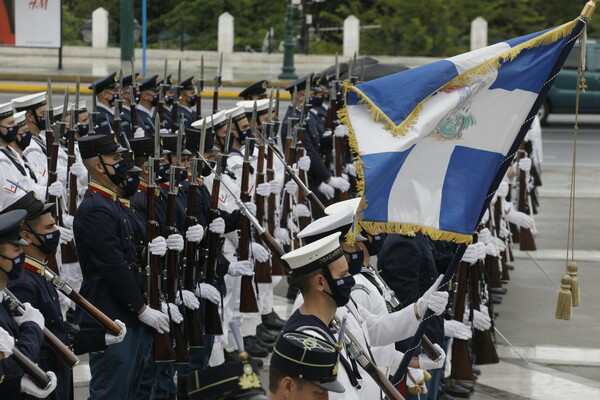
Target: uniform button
{"points": [[52, 321], [53, 298]]}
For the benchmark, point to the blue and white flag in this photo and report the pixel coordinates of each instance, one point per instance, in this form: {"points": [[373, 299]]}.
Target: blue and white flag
{"points": [[434, 142]]}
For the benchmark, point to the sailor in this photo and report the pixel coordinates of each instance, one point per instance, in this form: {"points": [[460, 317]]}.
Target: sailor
{"points": [[256, 91], [107, 92]]}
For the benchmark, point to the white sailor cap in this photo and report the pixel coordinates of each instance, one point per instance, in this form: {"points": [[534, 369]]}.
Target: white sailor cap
{"points": [[262, 106], [82, 105], [314, 255], [30, 102], [20, 118], [339, 222], [6, 110], [236, 113], [217, 121], [340, 205], [57, 111]]}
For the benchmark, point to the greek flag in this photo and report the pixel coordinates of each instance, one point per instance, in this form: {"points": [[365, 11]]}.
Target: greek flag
{"points": [[434, 142]]}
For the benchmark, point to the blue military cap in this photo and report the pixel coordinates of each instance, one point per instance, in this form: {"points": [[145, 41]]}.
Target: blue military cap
{"points": [[192, 140], [149, 84], [130, 160], [97, 145], [142, 147], [30, 203], [10, 227], [128, 80], [256, 89], [297, 354], [108, 82], [187, 84], [169, 142], [232, 380], [300, 84]]}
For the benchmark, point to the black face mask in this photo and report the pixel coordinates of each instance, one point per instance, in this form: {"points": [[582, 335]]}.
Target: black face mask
{"points": [[193, 100], [206, 170], [11, 133], [169, 100], [154, 101], [120, 171], [17, 266], [83, 129], [130, 185], [340, 288], [40, 122], [355, 263], [163, 173], [25, 140], [49, 241], [316, 101], [375, 246], [114, 98]]}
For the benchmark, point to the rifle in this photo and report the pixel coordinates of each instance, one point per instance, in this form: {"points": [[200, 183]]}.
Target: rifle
{"points": [[493, 263], [132, 89], [53, 137], [247, 297], [92, 112], [262, 271], [175, 107], [301, 152], [338, 142], [291, 122], [38, 375], [180, 343], [363, 359], [161, 96], [287, 199], [68, 252], [61, 350], [217, 86], [505, 254], [526, 241], [163, 346], [483, 345], [462, 365], [193, 328], [200, 89]]}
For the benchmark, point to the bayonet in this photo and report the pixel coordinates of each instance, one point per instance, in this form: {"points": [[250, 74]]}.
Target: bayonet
{"points": [[63, 116], [49, 97], [254, 117], [133, 70], [202, 137], [77, 83], [362, 69], [178, 77], [219, 73], [179, 141], [165, 72], [157, 138], [270, 109], [294, 95], [337, 68], [227, 136], [201, 81], [93, 111]]}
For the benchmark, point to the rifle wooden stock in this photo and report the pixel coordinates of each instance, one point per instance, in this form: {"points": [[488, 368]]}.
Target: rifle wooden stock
{"points": [[462, 365], [215, 107], [180, 341], [193, 329], [262, 271], [163, 347], [301, 152], [498, 220], [38, 375], [68, 252], [483, 345], [526, 241], [199, 106], [276, 264], [493, 271], [174, 118], [52, 149], [60, 348], [248, 302]]}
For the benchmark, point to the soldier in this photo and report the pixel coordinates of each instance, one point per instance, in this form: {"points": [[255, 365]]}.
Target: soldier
{"points": [[128, 81], [256, 91], [169, 99], [303, 367], [187, 99], [111, 280], [107, 92], [146, 108], [23, 333]]}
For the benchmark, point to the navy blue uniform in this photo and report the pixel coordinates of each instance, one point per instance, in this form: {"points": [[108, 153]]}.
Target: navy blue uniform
{"points": [[126, 122], [28, 340], [103, 120], [189, 116], [33, 288], [167, 117], [146, 119]]}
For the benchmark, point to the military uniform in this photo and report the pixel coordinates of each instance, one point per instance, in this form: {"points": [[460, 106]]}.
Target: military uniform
{"points": [[104, 117]]}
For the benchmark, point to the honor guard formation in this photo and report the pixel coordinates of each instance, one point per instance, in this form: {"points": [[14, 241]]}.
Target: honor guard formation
{"points": [[149, 234]]}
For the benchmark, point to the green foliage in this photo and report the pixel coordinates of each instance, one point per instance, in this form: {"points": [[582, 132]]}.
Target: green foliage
{"points": [[71, 25]]}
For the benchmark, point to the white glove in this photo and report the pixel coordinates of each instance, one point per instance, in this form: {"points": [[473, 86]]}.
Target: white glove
{"points": [[175, 242], [28, 386], [251, 207], [491, 250], [155, 319], [171, 310], [485, 218], [470, 255], [327, 133], [30, 315], [481, 251], [300, 210], [500, 244], [481, 321], [259, 253], [61, 173], [339, 183], [165, 130], [351, 170], [67, 221], [504, 232], [109, 338], [56, 189], [189, 300], [239, 268], [78, 169], [7, 343], [208, 292], [427, 363], [195, 233], [502, 190], [327, 190], [275, 186], [292, 227], [217, 226], [520, 219], [485, 236], [341, 130], [66, 235], [283, 236], [304, 163], [158, 246], [291, 188], [416, 377], [456, 329], [433, 299], [525, 164], [264, 190], [139, 133]]}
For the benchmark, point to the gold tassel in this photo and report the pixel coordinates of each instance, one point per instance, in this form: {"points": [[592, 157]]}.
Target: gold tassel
{"points": [[564, 304], [572, 271]]}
